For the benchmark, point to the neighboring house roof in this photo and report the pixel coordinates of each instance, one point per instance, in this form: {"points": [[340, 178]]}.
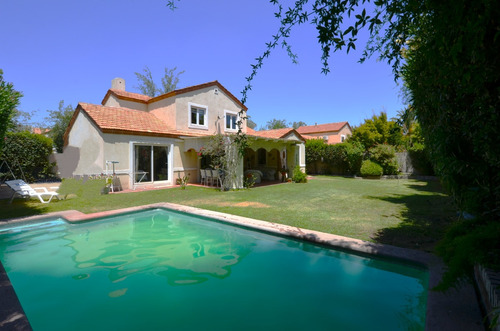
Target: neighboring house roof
{"points": [[125, 121], [146, 99], [273, 134], [308, 137], [39, 130], [329, 127]]}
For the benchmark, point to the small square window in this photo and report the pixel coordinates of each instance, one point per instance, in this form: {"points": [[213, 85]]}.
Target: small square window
{"points": [[231, 121], [197, 116]]}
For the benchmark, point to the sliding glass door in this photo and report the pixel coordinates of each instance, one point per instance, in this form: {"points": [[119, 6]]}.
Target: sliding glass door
{"points": [[150, 163]]}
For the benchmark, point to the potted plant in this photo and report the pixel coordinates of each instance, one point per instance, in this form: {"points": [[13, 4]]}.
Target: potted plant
{"points": [[284, 174]]}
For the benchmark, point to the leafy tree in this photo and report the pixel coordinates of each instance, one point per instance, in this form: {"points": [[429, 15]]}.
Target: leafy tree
{"points": [[58, 121], [377, 130], [170, 80], [298, 124], [21, 121], [276, 124], [32, 152], [9, 100], [147, 86], [315, 151], [385, 155], [281, 124]]}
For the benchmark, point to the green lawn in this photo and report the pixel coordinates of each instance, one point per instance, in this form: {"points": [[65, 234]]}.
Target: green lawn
{"points": [[406, 213]]}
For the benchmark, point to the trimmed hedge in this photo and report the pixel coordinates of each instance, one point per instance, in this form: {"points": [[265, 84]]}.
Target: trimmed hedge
{"points": [[344, 158], [370, 168]]}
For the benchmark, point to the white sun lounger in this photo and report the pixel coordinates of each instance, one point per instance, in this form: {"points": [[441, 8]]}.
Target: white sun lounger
{"points": [[23, 190]]}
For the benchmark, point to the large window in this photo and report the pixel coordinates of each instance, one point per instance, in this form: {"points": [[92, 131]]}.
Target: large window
{"points": [[231, 121], [150, 163], [198, 116]]}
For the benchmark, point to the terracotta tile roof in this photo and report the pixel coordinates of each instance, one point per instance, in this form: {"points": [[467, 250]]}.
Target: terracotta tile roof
{"points": [[308, 137], [146, 99], [250, 131], [114, 118], [130, 95], [273, 134], [329, 127], [126, 121]]}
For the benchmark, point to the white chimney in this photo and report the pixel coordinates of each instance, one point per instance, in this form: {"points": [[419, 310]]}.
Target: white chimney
{"points": [[118, 84]]}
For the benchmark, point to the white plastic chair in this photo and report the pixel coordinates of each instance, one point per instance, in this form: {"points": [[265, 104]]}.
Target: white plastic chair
{"points": [[23, 190]]}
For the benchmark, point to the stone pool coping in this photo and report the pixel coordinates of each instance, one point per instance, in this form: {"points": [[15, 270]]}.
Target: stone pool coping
{"points": [[456, 309]]}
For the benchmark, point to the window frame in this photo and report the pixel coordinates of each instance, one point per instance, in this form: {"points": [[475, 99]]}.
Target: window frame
{"points": [[231, 113], [198, 107]]}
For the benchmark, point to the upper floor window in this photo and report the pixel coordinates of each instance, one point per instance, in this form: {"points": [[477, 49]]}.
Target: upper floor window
{"points": [[198, 116], [231, 121]]}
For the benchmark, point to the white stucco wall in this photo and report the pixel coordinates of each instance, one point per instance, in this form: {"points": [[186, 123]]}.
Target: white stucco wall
{"points": [[215, 103], [84, 153], [121, 148]]}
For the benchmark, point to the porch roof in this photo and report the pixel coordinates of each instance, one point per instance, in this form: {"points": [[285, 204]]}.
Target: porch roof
{"points": [[274, 134]]}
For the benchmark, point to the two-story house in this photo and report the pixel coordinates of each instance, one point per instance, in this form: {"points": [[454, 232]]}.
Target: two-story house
{"points": [[152, 141], [331, 133]]}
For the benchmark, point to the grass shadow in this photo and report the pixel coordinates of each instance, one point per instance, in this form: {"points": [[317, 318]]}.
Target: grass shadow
{"points": [[424, 219], [19, 208]]}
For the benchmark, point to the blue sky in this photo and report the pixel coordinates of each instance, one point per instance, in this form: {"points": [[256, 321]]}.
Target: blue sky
{"points": [[71, 50]]}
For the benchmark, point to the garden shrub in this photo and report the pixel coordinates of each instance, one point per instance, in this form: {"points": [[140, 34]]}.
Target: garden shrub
{"points": [[344, 158], [354, 153], [385, 155], [315, 153], [32, 152], [370, 168], [419, 156], [467, 243], [299, 176]]}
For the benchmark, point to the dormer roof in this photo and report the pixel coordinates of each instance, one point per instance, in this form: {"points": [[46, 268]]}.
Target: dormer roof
{"points": [[274, 134]]}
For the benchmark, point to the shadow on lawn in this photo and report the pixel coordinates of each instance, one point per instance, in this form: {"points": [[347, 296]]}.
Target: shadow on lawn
{"points": [[18, 208], [424, 219]]}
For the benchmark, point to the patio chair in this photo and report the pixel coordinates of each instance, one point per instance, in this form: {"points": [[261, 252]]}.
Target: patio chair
{"points": [[209, 176], [203, 174], [216, 178], [23, 190]]}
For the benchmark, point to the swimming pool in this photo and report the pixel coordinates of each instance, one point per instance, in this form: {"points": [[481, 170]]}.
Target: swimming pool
{"points": [[165, 269]]}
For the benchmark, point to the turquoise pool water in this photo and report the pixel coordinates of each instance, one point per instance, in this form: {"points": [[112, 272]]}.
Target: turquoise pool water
{"points": [[159, 270]]}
